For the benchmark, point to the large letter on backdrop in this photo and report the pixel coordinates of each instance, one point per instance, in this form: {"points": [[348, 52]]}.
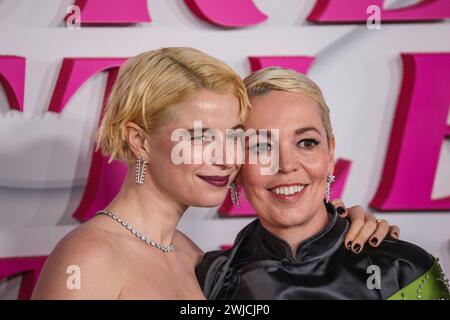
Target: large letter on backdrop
{"points": [[342, 168], [74, 73], [12, 78], [227, 13], [113, 11], [419, 129], [355, 11], [104, 178], [29, 267]]}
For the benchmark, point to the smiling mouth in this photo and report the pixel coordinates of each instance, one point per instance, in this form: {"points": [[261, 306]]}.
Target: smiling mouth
{"points": [[288, 192], [217, 181]]}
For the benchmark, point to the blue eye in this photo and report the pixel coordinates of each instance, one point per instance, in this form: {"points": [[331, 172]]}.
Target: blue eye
{"points": [[308, 144], [199, 139], [233, 136], [261, 147]]}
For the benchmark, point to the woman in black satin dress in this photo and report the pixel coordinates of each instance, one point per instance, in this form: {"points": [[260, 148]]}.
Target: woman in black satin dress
{"points": [[296, 248]]}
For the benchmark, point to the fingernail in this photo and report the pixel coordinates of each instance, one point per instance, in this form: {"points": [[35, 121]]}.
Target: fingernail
{"points": [[349, 245], [340, 210], [357, 247], [374, 241]]}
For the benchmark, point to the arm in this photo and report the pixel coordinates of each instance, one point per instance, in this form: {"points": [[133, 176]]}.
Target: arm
{"points": [[432, 285]]}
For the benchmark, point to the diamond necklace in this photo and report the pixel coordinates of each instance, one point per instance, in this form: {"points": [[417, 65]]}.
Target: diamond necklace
{"points": [[138, 234]]}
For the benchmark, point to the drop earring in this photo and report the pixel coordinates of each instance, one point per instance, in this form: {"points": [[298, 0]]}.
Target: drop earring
{"points": [[330, 180], [234, 195], [141, 167]]}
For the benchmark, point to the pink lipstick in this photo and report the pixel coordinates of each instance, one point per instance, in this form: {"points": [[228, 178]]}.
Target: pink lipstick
{"points": [[217, 181]]}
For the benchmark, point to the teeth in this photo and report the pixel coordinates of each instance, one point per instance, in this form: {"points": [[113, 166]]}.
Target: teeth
{"points": [[288, 190]]}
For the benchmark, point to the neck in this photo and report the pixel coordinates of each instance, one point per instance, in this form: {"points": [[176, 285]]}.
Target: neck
{"points": [[295, 235], [148, 208]]}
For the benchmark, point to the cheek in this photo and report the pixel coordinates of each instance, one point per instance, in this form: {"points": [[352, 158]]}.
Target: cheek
{"points": [[318, 171], [316, 165], [163, 147], [253, 182], [164, 166], [250, 176]]}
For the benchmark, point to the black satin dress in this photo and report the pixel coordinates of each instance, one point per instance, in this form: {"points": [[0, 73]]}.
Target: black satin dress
{"points": [[261, 266]]}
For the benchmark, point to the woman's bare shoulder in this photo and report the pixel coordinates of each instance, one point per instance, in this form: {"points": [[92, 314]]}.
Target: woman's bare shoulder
{"points": [[183, 242], [83, 265]]}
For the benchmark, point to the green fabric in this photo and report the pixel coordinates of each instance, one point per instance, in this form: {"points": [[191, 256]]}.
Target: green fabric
{"points": [[431, 285]]}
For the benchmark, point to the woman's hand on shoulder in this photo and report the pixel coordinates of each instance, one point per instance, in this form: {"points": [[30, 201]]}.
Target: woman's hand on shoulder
{"points": [[364, 227]]}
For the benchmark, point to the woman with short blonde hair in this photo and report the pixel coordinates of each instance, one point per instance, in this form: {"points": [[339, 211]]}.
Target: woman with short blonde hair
{"points": [[150, 84], [296, 249]]}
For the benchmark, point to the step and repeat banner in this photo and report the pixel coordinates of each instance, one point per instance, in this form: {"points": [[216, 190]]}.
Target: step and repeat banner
{"points": [[384, 68]]}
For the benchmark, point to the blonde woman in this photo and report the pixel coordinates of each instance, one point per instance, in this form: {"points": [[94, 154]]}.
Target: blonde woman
{"points": [[132, 249], [295, 249]]}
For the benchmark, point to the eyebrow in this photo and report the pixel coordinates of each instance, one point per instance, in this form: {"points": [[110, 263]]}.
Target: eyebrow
{"points": [[300, 131], [238, 126], [256, 132]]}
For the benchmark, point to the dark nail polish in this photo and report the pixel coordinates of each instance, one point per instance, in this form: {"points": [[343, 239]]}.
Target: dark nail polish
{"points": [[374, 241], [357, 248], [349, 245], [340, 210]]}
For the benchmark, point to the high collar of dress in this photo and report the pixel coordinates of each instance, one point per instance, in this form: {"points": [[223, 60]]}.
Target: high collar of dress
{"points": [[274, 248]]}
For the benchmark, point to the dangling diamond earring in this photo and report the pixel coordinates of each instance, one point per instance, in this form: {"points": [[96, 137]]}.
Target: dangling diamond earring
{"points": [[330, 179], [234, 195], [141, 167]]}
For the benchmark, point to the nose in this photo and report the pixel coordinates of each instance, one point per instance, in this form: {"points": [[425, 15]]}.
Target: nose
{"points": [[223, 166], [221, 162], [288, 162], [224, 152]]}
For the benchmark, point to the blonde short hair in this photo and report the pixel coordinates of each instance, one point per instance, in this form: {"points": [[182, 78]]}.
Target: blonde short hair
{"points": [[277, 78], [150, 83]]}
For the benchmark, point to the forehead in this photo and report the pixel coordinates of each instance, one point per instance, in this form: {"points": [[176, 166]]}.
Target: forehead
{"points": [[283, 110], [214, 109]]}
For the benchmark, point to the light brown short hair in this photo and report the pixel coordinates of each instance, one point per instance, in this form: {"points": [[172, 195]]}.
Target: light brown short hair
{"points": [[277, 78]]}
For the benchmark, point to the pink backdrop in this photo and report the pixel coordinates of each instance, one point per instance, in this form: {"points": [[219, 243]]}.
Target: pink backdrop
{"points": [[408, 166]]}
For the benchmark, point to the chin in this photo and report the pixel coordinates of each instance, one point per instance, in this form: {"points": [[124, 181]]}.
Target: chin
{"points": [[289, 218], [208, 201]]}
